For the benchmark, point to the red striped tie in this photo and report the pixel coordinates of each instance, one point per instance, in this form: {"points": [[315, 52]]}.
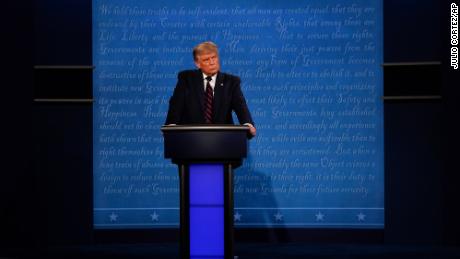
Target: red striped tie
{"points": [[208, 101]]}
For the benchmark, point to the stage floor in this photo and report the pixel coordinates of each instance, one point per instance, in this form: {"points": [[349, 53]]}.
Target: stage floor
{"points": [[243, 251]]}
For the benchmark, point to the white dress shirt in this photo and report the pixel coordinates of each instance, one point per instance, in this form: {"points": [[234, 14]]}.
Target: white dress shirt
{"points": [[212, 82]]}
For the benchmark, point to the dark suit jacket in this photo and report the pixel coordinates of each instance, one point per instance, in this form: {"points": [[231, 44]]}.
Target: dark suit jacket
{"points": [[187, 101]]}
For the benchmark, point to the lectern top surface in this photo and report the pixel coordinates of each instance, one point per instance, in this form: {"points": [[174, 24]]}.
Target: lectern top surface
{"points": [[201, 127]]}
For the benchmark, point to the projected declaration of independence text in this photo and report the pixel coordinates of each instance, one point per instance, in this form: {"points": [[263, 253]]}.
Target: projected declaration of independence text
{"points": [[311, 74]]}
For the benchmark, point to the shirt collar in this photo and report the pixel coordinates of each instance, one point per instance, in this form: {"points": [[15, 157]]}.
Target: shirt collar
{"points": [[213, 77]]}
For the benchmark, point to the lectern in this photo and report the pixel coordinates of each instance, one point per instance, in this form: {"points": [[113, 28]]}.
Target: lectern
{"points": [[206, 156]]}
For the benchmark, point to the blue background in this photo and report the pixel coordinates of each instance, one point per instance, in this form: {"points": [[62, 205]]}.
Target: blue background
{"points": [[315, 97]]}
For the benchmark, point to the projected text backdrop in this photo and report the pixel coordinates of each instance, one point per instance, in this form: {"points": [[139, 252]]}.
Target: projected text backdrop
{"points": [[311, 73]]}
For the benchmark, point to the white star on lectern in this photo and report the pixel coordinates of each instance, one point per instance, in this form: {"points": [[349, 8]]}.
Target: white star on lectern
{"points": [[319, 216], [113, 217], [278, 216], [361, 217], [237, 216], [154, 216]]}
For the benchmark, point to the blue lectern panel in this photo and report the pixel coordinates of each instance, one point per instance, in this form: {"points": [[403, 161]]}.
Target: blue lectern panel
{"points": [[206, 185], [206, 210], [311, 73]]}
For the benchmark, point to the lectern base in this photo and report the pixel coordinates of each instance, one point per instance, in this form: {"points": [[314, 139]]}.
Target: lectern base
{"points": [[206, 155], [206, 204]]}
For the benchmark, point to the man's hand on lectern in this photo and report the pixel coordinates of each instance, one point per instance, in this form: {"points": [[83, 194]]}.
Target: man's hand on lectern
{"points": [[252, 129]]}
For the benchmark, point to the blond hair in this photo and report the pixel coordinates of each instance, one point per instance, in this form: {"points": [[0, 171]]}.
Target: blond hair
{"points": [[204, 47]]}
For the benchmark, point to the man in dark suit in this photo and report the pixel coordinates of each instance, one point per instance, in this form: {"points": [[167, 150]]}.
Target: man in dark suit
{"points": [[207, 95]]}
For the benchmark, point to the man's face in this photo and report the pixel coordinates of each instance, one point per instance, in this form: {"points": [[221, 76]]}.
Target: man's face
{"points": [[208, 63]]}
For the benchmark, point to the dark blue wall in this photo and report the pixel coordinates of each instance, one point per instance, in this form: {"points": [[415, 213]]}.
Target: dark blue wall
{"points": [[63, 129], [419, 167]]}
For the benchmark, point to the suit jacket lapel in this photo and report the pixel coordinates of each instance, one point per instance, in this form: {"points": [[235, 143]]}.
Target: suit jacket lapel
{"points": [[199, 87], [218, 94]]}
